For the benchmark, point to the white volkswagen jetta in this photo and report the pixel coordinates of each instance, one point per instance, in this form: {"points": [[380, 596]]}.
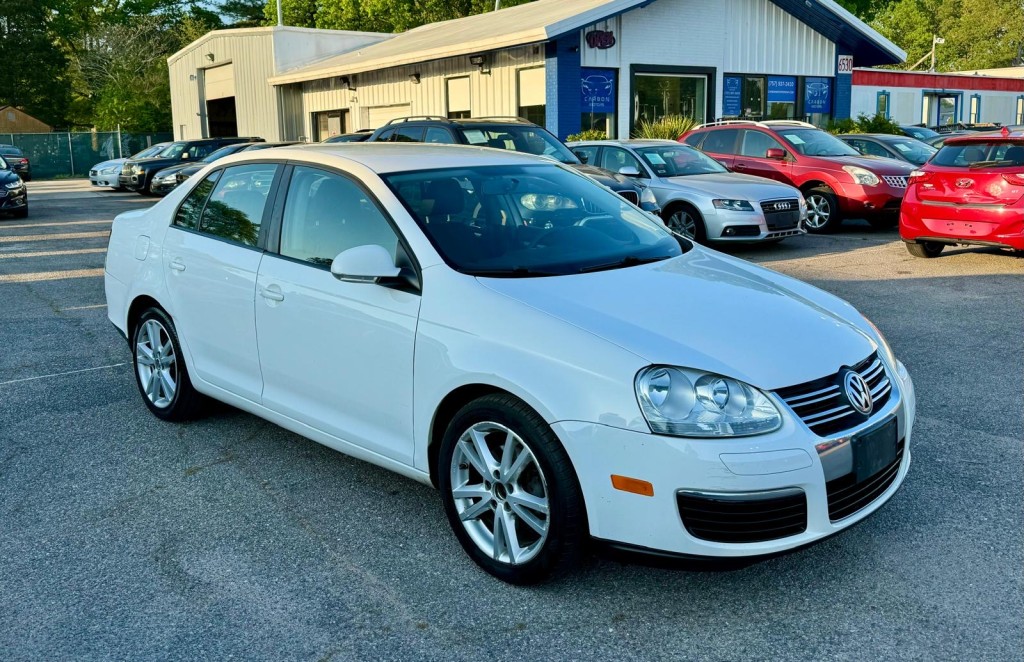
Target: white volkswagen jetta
{"points": [[494, 324]]}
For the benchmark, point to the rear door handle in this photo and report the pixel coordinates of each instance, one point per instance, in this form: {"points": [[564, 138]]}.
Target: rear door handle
{"points": [[272, 293], [177, 265]]}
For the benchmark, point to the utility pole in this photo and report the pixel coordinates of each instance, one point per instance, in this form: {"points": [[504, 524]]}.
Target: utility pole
{"points": [[936, 39], [497, 5], [280, 14]]}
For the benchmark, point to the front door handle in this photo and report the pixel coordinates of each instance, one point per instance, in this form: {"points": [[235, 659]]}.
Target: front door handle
{"points": [[272, 293], [177, 265], [740, 166]]}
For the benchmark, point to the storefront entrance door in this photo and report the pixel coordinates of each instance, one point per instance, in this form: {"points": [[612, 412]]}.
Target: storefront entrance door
{"points": [[658, 95]]}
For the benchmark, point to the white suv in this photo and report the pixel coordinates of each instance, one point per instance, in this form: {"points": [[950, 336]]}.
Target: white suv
{"points": [[550, 357]]}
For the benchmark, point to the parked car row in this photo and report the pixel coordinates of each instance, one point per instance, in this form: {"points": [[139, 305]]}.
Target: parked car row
{"points": [[13, 194]]}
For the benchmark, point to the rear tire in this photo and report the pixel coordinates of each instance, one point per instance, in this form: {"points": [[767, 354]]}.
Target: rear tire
{"points": [[925, 248], [823, 214], [510, 492], [160, 370]]}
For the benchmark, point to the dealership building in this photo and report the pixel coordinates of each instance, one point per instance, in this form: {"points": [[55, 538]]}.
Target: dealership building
{"points": [[565, 64]]}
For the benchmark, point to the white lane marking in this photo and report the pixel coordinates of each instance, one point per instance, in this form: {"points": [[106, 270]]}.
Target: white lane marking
{"points": [[63, 374], [50, 237], [48, 225], [49, 275], [77, 251], [97, 305]]}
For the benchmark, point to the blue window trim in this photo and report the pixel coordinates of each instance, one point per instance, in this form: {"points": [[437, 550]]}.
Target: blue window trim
{"points": [[977, 112], [888, 100], [958, 104]]}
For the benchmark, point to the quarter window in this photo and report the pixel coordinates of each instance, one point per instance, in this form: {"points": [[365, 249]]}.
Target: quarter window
{"points": [[326, 214], [192, 207], [757, 144], [235, 209]]}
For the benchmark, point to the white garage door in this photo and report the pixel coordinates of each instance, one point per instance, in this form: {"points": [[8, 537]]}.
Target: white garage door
{"points": [[220, 81], [381, 115]]}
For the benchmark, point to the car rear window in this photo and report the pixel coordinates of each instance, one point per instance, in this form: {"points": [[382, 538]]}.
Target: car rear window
{"points": [[10, 151], [994, 154]]}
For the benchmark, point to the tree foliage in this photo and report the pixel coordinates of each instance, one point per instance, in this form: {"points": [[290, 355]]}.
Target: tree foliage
{"points": [[33, 76], [375, 15]]}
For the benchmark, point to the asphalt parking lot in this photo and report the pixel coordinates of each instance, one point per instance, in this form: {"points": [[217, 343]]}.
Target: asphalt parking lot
{"points": [[122, 537]]}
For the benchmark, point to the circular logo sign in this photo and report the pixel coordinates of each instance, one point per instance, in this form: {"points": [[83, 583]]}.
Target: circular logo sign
{"points": [[858, 393]]}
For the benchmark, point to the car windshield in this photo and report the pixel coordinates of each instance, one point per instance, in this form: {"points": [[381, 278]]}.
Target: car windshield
{"points": [[222, 152], [678, 160], [3, 164], [914, 151], [815, 142], [528, 139], [528, 220], [920, 132], [173, 150], [152, 150], [993, 154]]}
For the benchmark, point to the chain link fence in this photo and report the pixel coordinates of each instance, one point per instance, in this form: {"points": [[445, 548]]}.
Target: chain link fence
{"points": [[72, 154]]}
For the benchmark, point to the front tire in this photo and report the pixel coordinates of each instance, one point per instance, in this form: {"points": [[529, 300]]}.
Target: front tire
{"points": [[160, 370], [21, 213], [924, 248], [510, 492], [822, 210], [684, 220]]}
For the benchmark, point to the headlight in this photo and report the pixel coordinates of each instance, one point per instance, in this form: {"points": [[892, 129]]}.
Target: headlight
{"points": [[882, 342], [691, 403], [109, 171], [647, 196], [137, 170], [733, 205], [17, 183], [862, 176]]}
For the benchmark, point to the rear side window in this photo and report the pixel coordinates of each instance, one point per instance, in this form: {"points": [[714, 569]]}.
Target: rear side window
{"points": [[981, 155], [589, 151], [693, 140], [409, 134], [722, 141], [192, 207], [235, 209]]}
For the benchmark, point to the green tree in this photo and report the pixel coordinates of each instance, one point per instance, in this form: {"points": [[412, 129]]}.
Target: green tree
{"points": [[33, 76], [298, 13], [376, 15], [243, 13]]}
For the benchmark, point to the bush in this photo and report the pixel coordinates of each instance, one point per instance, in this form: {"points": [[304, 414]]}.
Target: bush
{"points": [[842, 126], [669, 127], [589, 134], [865, 124]]}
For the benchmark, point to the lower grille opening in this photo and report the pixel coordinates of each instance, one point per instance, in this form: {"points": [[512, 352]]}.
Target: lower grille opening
{"points": [[846, 496], [742, 231], [744, 518]]}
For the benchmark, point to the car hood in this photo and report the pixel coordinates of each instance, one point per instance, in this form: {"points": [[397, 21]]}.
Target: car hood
{"points": [[170, 170], [732, 185], [8, 176], [108, 164], [706, 311], [612, 180], [156, 162], [876, 164]]}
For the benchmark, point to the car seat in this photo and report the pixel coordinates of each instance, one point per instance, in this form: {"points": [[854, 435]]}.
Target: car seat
{"points": [[1015, 155]]}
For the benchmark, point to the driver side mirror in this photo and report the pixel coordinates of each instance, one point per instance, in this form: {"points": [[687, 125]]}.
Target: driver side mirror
{"points": [[775, 153], [582, 156], [185, 156], [364, 264], [629, 171]]}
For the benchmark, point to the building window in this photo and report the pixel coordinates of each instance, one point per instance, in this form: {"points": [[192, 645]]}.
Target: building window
{"points": [[1020, 109], [598, 95], [531, 95], [974, 116], [659, 95], [882, 104], [458, 101]]}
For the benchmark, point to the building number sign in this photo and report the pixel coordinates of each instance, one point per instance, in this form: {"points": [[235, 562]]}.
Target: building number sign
{"points": [[600, 39], [844, 65]]}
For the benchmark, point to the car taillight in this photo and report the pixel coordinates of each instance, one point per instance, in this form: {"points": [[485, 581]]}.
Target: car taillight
{"points": [[1014, 179], [919, 177]]}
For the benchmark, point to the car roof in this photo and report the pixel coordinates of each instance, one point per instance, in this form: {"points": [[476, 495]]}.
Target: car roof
{"points": [[876, 136], [631, 142], [467, 121], [974, 138], [381, 157]]}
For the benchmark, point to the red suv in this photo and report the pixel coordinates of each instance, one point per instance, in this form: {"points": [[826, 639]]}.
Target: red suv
{"points": [[836, 180], [971, 192]]}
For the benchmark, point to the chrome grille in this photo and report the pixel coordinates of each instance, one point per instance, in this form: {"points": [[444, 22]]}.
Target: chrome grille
{"points": [[822, 405], [895, 181], [632, 196], [780, 206]]}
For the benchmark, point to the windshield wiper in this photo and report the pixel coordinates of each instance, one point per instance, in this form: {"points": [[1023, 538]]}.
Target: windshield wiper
{"points": [[628, 261], [985, 164], [514, 272]]}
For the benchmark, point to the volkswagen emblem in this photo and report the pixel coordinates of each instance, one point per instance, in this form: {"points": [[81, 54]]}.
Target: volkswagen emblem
{"points": [[781, 206], [858, 393], [964, 182]]}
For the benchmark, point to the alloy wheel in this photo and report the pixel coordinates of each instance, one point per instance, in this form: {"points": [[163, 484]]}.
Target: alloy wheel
{"points": [[682, 222], [156, 363], [500, 493], [819, 211]]}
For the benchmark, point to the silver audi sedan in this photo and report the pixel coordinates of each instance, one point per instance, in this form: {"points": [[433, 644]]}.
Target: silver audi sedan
{"points": [[699, 197]]}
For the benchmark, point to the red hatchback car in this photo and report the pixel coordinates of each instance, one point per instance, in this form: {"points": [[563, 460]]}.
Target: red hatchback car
{"points": [[970, 192], [837, 181]]}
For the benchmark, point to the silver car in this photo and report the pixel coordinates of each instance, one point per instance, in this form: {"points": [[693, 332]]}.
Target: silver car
{"points": [[105, 174], [698, 196]]}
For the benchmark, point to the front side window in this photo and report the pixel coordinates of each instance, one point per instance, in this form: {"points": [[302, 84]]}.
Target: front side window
{"points": [[439, 136], [189, 211], [871, 148], [679, 161], [757, 144], [326, 214], [815, 142], [615, 159], [528, 220], [589, 151], [519, 138], [235, 209], [722, 141], [173, 151]]}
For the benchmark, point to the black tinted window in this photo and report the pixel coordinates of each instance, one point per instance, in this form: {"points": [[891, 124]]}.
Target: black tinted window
{"points": [[386, 135], [235, 209], [693, 140], [192, 207], [722, 141], [438, 135], [409, 134], [757, 144], [326, 214]]}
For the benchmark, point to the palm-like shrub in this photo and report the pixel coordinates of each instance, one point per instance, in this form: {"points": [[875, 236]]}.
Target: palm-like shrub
{"points": [[669, 127]]}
